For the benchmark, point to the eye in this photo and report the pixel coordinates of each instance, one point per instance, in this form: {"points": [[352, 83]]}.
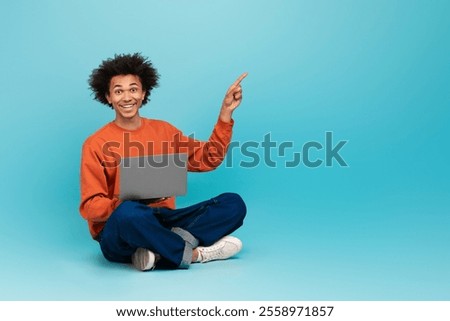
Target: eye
{"points": [[118, 91], [133, 90]]}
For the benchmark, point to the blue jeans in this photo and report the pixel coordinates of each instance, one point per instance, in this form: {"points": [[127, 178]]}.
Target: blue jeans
{"points": [[173, 234]]}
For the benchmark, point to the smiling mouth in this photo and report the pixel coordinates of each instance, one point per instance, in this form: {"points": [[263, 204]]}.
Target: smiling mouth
{"points": [[127, 106]]}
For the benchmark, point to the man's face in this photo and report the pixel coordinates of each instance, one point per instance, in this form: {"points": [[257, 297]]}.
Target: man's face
{"points": [[126, 95]]}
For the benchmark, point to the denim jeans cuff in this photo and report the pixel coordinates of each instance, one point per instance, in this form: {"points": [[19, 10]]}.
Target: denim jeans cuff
{"points": [[186, 236], [187, 257]]}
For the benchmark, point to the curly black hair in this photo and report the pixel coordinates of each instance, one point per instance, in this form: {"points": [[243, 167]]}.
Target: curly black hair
{"points": [[124, 64]]}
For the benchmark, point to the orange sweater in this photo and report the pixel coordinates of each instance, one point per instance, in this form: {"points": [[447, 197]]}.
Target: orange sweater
{"points": [[103, 150]]}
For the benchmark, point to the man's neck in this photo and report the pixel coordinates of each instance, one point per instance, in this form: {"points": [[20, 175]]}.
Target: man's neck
{"points": [[129, 124]]}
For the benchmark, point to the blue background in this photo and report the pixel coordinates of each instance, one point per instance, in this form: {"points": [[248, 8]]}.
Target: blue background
{"points": [[375, 73]]}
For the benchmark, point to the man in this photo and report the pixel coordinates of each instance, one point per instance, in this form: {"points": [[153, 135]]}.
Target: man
{"points": [[153, 233]]}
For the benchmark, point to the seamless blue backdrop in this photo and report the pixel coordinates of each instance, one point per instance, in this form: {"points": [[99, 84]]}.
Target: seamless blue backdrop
{"points": [[374, 73]]}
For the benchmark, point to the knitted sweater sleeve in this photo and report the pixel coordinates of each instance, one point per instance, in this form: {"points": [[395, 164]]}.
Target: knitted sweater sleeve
{"points": [[97, 203], [206, 155]]}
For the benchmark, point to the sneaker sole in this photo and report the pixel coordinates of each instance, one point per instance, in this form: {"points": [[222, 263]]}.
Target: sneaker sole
{"points": [[143, 259]]}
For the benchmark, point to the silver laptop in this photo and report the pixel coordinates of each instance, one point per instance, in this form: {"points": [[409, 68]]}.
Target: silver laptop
{"points": [[154, 176]]}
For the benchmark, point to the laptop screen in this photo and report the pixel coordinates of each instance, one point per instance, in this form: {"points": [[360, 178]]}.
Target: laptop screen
{"points": [[153, 176]]}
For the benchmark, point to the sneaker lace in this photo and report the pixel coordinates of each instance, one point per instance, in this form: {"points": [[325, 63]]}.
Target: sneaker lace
{"points": [[212, 252]]}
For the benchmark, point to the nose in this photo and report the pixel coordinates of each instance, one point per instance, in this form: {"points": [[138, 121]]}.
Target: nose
{"points": [[126, 95]]}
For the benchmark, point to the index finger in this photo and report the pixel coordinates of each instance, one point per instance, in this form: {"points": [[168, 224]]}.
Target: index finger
{"points": [[240, 79]]}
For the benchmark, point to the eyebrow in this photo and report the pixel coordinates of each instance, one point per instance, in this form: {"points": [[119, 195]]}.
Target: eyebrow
{"points": [[132, 84]]}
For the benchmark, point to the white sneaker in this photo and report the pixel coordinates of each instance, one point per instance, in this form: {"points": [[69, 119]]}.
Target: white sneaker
{"points": [[144, 259], [223, 249]]}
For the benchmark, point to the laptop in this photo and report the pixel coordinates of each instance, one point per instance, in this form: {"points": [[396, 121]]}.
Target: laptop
{"points": [[154, 176]]}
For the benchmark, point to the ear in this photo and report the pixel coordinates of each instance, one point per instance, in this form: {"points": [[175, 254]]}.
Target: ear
{"points": [[107, 98]]}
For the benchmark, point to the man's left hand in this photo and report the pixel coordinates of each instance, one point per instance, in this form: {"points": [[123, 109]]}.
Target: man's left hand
{"points": [[232, 99]]}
